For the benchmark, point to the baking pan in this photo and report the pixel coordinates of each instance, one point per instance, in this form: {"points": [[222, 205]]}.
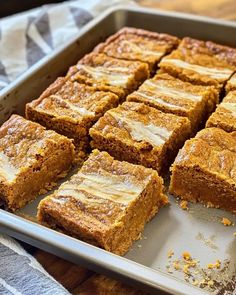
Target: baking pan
{"points": [[198, 230]]}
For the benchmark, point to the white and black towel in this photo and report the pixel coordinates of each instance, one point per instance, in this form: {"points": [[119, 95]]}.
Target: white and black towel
{"points": [[24, 39], [27, 37], [21, 274]]}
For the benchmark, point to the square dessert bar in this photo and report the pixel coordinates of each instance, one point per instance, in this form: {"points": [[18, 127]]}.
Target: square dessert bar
{"points": [[109, 74], [205, 170], [200, 62], [137, 133], [32, 159], [225, 115], [107, 203], [231, 84], [138, 44], [70, 109], [172, 95]]}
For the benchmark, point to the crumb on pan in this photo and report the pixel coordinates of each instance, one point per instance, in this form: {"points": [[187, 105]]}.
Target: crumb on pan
{"points": [[225, 221], [210, 205], [170, 253], [186, 268], [176, 265], [192, 263], [207, 277], [184, 205], [217, 264], [210, 283], [186, 256]]}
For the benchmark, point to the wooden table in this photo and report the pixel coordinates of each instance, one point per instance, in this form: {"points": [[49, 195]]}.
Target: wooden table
{"points": [[74, 277], [225, 9]]}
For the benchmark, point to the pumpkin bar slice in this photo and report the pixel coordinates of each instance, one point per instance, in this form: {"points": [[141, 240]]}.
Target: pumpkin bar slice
{"points": [[138, 44], [231, 84], [200, 62], [139, 134], [172, 95], [205, 170], [71, 109], [107, 203], [225, 115], [109, 74], [32, 159]]}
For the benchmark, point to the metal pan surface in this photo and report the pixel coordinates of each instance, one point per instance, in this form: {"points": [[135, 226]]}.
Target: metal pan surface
{"points": [[198, 230]]}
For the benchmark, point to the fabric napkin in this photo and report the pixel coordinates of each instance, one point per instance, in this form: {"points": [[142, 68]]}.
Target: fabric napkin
{"points": [[25, 38], [21, 274]]}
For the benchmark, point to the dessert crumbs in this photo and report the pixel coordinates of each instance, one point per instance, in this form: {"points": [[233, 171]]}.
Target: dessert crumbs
{"points": [[217, 264], [213, 277], [170, 253], [140, 237], [184, 205], [210, 283], [176, 265], [210, 205], [225, 221], [186, 256], [186, 269]]}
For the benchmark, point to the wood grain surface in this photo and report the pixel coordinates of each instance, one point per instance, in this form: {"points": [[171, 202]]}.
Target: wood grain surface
{"points": [[225, 9], [76, 279]]}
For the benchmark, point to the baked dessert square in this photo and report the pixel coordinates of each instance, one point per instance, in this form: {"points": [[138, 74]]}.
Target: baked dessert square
{"points": [[231, 84], [137, 133], [205, 170], [71, 109], [172, 95], [32, 159], [137, 44], [225, 115], [106, 203], [109, 74], [201, 62]]}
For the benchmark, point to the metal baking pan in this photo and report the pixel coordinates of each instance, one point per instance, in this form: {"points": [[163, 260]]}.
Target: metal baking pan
{"points": [[198, 231]]}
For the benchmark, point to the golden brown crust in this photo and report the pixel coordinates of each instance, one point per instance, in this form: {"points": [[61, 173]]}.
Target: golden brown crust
{"points": [[220, 52], [138, 44], [53, 88], [218, 139], [172, 95], [170, 39], [205, 170], [201, 62], [140, 134], [97, 205], [70, 108], [32, 160], [109, 74], [225, 115]]}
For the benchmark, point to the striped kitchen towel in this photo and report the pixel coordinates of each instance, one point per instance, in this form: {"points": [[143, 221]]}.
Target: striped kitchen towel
{"points": [[27, 37], [21, 274]]}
